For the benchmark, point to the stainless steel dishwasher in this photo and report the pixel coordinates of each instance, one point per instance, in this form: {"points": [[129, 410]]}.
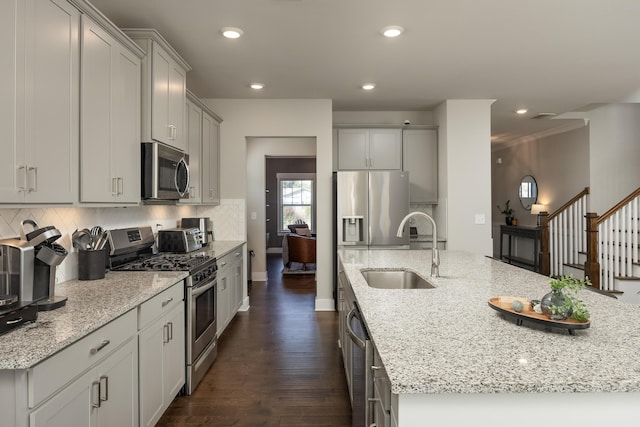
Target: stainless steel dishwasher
{"points": [[361, 374]]}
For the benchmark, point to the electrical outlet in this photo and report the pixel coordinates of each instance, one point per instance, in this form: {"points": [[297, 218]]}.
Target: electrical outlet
{"points": [[480, 219], [254, 215]]}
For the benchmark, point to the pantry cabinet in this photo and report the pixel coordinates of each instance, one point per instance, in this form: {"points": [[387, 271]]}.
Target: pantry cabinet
{"points": [[110, 127], [369, 149], [203, 147], [420, 159], [164, 76], [39, 102], [162, 352]]}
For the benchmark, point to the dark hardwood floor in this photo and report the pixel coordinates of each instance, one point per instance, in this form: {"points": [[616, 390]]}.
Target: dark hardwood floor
{"points": [[278, 364]]}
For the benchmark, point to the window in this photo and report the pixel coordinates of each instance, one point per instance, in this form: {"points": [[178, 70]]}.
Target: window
{"points": [[296, 195]]}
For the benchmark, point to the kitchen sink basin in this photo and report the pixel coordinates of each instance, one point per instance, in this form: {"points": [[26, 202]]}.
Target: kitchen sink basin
{"points": [[395, 279]]}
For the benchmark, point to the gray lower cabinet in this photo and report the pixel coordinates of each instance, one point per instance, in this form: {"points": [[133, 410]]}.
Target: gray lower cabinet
{"points": [[230, 287], [420, 159], [104, 397]]}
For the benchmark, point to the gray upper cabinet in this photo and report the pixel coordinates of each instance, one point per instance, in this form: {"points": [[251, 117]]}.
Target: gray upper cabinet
{"points": [[110, 126], [164, 78], [39, 103], [364, 149], [420, 159], [203, 147]]}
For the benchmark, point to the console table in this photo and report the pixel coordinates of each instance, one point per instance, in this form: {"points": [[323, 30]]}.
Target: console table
{"points": [[526, 233]]}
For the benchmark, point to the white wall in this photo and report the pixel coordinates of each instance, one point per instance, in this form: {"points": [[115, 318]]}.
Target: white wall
{"points": [[614, 154], [257, 149], [560, 165], [395, 118], [464, 144], [245, 118]]}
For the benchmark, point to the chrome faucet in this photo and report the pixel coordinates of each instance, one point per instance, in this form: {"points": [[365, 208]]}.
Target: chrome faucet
{"points": [[435, 257]]}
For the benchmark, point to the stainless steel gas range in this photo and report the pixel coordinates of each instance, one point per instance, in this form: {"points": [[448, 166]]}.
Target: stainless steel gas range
{"points": [[131, 249]]}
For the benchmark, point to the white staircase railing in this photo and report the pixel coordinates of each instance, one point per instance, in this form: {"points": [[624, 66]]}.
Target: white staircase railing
{"points": [[618, 242], [567, 236]]}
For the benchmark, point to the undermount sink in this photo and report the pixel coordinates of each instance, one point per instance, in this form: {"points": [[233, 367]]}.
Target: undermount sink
{"points": [[395, 279]]}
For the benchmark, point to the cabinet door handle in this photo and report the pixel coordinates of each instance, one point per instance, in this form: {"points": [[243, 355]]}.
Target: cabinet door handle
{"points": [[106, 388], [114, 186], [100, 346], [35, 179], [120, 182], [95, 397], [165, 333], [170, 331], [166, 302], [24, 178], [172, 132]]}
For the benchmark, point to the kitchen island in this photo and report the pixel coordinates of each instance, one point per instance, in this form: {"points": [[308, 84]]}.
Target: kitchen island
{"points": [[451, 360]]}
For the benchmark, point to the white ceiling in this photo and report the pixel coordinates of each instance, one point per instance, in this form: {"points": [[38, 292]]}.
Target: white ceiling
{"points": [[546, 55]]}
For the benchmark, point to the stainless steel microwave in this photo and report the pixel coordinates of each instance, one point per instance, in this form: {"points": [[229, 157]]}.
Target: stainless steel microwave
{"points": [[165, 173]]}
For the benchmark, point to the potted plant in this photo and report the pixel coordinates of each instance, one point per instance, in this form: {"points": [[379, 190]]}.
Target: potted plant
{"points": [[563, 302], [507, 212]]}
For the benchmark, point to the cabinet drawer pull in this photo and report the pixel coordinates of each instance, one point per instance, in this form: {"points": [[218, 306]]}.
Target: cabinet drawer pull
{"points": [[11, 322], [106, 388], [166, 302], [100, 346], [95, 397]]}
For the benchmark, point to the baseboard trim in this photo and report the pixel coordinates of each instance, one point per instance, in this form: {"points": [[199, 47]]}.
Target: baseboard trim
{"points": [[274, 250], [325, 304], [259, 276]]}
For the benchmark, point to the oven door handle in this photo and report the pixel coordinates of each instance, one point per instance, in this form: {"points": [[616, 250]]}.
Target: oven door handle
{"points": [[195, 292]]}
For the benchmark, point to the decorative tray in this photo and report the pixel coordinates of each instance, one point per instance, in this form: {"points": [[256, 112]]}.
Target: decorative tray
{"points": [[504, 306]]}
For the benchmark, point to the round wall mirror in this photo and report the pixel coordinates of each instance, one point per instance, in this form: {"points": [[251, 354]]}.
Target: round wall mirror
{"points": [[528, 192]]}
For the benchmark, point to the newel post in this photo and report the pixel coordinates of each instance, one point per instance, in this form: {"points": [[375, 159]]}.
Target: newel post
{"points": [[545, 257], [591, 266]]}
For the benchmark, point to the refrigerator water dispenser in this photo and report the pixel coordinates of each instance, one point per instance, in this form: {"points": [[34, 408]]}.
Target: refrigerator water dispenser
{"points": [[352, 227]]}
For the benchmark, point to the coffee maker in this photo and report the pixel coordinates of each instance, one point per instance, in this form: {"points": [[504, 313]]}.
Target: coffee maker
{"points": [[48, 255], [17, 300]]}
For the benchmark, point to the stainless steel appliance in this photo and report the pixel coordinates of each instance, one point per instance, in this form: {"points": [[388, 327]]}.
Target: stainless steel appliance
{"points": [[165, 173], [131, 249], [16, 284], [203, 224], [181, 240], [361, 369], [370, 205]]}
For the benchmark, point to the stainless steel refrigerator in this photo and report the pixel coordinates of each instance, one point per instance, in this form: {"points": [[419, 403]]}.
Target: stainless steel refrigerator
{"points": [[369, 208]]}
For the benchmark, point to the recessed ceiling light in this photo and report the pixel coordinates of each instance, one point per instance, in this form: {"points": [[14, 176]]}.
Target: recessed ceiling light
{"points": [[256, 86], [231, 32], [368, 86], [392, 31], [521, 111]]}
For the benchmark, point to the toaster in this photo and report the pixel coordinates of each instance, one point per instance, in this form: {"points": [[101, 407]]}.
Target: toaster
{"points": [[179, 240]]}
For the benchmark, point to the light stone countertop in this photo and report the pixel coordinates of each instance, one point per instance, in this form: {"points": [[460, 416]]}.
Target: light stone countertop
{"points": [[90, 305], [448, 340]]}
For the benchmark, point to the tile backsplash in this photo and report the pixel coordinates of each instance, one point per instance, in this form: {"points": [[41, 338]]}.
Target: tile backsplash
{"points": [[228, 223]]}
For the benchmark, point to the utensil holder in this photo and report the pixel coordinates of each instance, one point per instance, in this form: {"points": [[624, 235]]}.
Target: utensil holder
{"points": [[91, 264]]}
